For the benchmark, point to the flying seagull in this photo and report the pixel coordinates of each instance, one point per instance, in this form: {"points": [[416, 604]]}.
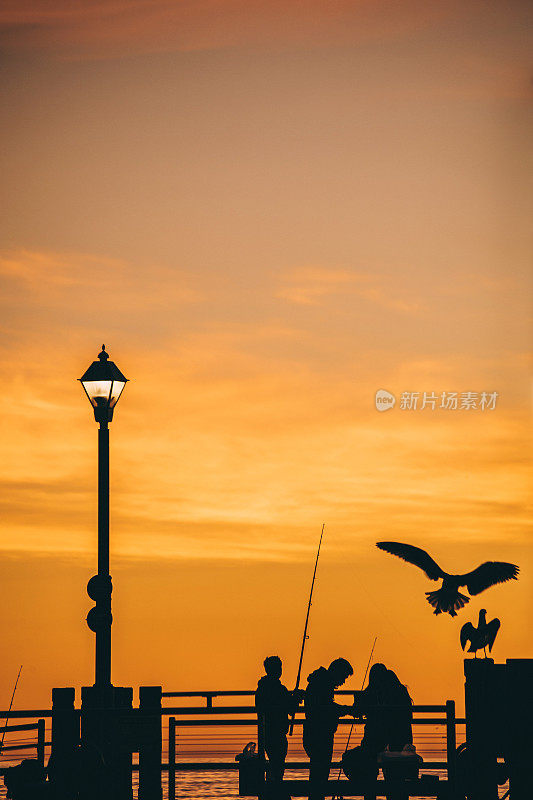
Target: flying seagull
{"points": [[448, 597], [482, 636]]}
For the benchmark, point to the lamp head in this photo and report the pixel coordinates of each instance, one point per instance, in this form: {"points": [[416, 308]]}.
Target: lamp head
{"points": [[103, 383]]}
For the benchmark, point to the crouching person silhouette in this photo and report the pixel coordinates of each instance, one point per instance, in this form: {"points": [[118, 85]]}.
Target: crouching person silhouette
{"points": [[274, 704], [321, 721], [388, 731]]}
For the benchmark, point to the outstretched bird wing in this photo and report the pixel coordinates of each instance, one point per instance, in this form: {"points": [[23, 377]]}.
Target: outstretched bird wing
{"points": [[414, 555], [467, 631], [492, 629], [488, 574]]}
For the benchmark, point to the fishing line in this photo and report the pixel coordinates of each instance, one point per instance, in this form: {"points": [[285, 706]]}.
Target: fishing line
{"points": [[9, 710], [305, 636], [337, 797]]}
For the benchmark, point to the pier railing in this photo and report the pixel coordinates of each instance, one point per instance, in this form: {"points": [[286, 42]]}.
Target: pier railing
{"points": [[229, 720], [13, 748], [498, 728], [216, 711]]}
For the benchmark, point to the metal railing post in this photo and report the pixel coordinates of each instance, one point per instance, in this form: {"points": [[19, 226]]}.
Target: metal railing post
{"points": [[451, 744], [172, 758], [261, 746], [40, 741]]}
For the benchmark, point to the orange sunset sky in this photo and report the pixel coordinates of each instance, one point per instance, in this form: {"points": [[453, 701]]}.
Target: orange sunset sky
{"points": [[267, 211]]}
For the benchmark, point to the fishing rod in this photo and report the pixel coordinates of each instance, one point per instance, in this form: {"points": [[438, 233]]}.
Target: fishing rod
{"points": [[305, 636], [353, 723], [9, 710]]}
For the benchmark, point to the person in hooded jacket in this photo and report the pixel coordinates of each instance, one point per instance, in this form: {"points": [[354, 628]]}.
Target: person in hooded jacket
{"points": [[274, 704], [321, 720], [388, 709]]}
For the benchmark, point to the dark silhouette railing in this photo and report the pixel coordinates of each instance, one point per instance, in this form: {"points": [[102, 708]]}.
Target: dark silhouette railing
{"points": [[191, 715], [38, 744], [212, 715]]}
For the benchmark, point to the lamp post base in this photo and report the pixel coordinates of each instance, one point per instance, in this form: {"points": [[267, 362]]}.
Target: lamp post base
{"points": [[102, 709]]}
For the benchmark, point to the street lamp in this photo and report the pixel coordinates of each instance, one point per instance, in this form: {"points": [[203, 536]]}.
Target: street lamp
{"points": [[103, 383]]}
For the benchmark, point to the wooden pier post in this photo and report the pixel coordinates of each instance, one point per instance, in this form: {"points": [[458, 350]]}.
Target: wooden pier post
{"points": [[518, 735], [498, 701], [97, 738], [65, 722], [481, 733], [172, 758], [65, 739], [150, 752], [121, 749], [106, 713]]}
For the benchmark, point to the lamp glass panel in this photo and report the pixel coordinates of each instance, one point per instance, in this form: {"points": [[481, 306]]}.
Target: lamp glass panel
{"points": [[116, 392], [98, 392]]}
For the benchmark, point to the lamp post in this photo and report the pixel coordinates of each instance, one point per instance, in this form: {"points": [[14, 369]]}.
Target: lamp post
{"points": [[103, 383]]}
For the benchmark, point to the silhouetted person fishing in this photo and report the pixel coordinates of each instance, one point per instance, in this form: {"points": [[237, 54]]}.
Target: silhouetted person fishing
{"points": [[448, 598], [274, 704], [321, 721], [388, 709]]}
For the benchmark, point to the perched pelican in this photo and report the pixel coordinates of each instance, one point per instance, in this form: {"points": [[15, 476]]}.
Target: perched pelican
{"points": [[448, 597], [480, 637]]}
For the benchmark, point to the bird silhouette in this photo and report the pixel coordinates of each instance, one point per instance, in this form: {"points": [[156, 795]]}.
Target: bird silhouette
{"points": [[448, 598], [480, 637]]}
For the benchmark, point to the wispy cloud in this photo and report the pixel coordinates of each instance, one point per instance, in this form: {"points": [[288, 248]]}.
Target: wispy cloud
{"points": [[237, 431], [43, 274], [313, 285], [120, 27]]}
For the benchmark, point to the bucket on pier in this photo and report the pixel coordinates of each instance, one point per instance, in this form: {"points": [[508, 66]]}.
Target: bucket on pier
{"points": [[397, 764], [251, 771]]}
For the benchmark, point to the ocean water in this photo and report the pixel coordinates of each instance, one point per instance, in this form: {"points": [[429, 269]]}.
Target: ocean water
{"points": [[224, 785], [219, 785], [208, 745], [211, 785]]}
